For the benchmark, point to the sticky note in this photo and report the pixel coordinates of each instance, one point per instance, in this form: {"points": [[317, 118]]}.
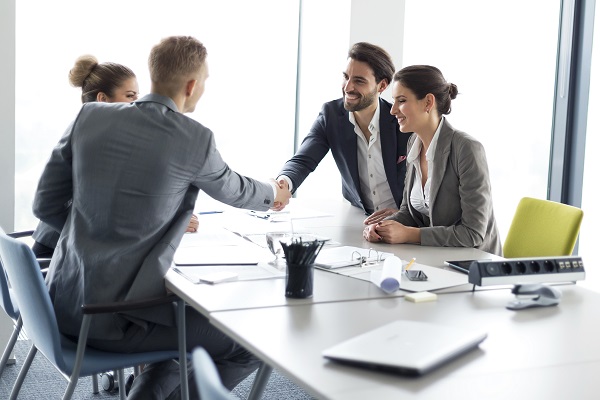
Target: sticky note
{"points": [[420, 297]]}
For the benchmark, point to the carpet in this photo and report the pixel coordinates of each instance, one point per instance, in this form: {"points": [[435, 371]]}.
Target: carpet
{"points": [[43, 381]]}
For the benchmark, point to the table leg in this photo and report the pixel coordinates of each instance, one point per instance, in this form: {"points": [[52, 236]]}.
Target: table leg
{"points": [[185, 395], [260, 381]]}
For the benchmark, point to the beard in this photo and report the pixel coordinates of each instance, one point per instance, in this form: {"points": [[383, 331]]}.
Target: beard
{"points": [[363, 102]]}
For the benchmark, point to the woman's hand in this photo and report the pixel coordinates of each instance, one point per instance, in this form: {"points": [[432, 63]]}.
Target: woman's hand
{"points": [[394, 232], [370, 233], [378, 216], [193, 225]]}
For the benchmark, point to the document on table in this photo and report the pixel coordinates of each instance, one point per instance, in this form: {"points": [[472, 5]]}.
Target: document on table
{"points": [[341, 261], [349, 256], [437, 278], [226, 273], [218, 246]]}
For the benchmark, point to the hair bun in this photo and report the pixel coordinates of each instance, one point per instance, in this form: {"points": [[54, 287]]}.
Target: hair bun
{"points": [[452, 90], [84, 65]]}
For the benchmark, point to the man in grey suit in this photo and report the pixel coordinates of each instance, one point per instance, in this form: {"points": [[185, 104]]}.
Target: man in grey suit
{"points": [[364, 139], [120, 186]]}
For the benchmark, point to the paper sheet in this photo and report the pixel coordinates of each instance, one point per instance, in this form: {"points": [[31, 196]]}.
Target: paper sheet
{"points": [[244, 272]]}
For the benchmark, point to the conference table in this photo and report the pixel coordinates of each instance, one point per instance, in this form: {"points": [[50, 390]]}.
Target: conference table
{"points": [[525, 355]]}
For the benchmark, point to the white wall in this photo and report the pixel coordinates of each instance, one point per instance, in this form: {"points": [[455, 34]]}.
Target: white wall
{"points": [[329, 29], [7, 114], [380, 22]]}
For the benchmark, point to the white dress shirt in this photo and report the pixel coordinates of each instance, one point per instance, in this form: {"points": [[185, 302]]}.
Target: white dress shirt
{"points": [[374, 187], [419, 194]]}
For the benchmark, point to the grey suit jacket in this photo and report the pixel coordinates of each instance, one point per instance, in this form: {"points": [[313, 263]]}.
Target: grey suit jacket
{"points": [[332, 130], [121, 186], [460, 202]]}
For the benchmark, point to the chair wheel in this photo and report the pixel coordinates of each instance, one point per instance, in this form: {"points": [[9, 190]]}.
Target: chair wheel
{"points": [[109, 382]]}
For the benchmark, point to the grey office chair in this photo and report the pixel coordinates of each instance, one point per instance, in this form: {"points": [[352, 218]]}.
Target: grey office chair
{"points": [[207, 378], [39, 320], [9, 306]]}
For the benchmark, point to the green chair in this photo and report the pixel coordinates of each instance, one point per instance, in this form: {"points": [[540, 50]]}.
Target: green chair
{"points": [[542, 228]]}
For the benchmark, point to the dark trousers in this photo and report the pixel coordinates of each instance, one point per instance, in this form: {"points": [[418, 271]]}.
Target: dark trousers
{"points": [[161, 380]]}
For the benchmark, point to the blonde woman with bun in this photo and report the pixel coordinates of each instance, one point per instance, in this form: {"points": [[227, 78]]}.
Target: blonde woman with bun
{"points": [[105, 82]]}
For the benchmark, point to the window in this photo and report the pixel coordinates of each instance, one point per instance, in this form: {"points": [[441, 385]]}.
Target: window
{"points": [[591, 214], [249, 101], [504, 71]]}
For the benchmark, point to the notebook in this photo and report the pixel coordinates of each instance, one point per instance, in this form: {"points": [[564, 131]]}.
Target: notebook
{"points": [[405, 347]]}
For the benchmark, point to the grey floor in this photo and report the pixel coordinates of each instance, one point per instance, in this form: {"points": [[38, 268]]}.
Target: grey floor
{"points": [[44, 382]]}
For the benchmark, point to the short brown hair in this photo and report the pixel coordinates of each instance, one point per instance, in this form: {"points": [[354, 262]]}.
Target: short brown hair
{"points": [[174, 58]]}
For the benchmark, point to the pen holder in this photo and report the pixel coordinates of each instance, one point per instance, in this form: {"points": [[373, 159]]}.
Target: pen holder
{"points": [[299, 280], [300, 259]]}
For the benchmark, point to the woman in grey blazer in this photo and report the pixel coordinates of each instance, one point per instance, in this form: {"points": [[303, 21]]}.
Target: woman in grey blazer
{"points": [[447, 198]]}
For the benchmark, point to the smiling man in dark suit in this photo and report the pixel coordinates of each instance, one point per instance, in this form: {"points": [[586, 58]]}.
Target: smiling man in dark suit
{"points": [[364, 139]]}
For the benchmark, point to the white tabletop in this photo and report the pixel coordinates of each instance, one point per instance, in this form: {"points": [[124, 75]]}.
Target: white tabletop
{"points": [[345, 227], [549, 353]]}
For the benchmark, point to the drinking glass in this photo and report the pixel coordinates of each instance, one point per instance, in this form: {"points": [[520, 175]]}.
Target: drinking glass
{"points": [[274, 240]]}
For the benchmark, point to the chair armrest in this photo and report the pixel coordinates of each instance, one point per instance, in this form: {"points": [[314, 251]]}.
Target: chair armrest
{"points": [[19, 234], [119, 306]]}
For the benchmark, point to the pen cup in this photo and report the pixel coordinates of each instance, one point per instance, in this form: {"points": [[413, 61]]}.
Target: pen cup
{"points": [[299, 280]]}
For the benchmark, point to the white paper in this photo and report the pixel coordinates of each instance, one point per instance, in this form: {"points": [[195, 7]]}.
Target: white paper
{"points": [[437, 278], [243, 272]]}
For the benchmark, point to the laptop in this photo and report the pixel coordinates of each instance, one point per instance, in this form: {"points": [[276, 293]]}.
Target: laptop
{"points": [[405, 347]]}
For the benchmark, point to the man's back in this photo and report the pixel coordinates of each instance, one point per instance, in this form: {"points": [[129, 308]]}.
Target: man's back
{"points": [[136, 171]]}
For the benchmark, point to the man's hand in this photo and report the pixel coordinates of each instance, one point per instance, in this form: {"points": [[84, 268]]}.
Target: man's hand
{"points": [[379, 216], [283, 196]]}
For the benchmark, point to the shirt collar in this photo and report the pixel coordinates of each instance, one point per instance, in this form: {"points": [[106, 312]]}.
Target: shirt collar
{"points": [[433, 145], [158, 98], [416, 148], [373, 125]]}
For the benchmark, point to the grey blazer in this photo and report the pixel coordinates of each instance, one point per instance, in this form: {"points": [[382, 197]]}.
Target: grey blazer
{"points": [[120, 186], [461, 210]]}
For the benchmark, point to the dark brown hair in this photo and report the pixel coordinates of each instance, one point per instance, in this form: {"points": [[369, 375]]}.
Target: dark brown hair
{"points": [[424, 79], [377, 58], [93, 77]]}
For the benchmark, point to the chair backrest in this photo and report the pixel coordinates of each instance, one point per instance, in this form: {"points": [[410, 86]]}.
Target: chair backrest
{"points": [[6, 301], [31, 294], [208, 381], [542, 228]]}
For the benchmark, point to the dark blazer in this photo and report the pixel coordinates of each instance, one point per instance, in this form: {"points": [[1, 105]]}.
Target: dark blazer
{"points": [[120, 186], [460, 201], [332, 130]]}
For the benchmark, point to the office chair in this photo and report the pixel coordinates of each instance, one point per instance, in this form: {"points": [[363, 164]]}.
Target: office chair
{"points": [[207, 378], [39, 320], [542, 228], [9, 306]]}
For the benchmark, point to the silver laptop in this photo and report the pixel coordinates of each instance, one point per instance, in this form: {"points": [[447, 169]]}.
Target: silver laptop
{"points": [[405, 347]]}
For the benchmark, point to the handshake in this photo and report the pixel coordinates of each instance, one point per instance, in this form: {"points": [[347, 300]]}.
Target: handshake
{"points": [[283, 195]]}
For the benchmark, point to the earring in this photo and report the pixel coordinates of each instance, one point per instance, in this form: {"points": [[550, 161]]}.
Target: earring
{"points": [[427, 110]]}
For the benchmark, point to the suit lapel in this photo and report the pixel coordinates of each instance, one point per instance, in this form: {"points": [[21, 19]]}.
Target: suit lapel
{"points": [[348, 140], [389, 142], [442, 152]]}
